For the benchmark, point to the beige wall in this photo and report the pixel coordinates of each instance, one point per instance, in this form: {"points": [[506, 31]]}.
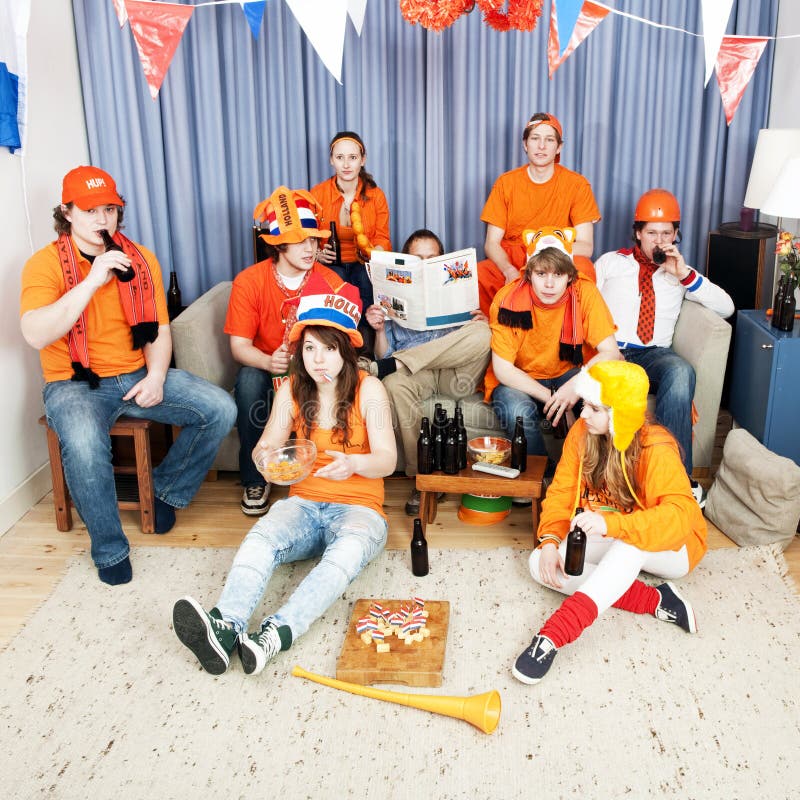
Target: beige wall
{"points": [[31, 186]]}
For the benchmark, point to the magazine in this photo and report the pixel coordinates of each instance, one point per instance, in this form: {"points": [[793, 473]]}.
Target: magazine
{"points": [[425, 294]]}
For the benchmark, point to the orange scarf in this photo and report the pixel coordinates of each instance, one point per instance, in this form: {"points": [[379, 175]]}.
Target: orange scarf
{"points": [[137, 298], [515, 312]]}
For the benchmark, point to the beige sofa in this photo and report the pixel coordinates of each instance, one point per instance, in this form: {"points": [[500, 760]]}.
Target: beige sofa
{"points": [[701, 337]]}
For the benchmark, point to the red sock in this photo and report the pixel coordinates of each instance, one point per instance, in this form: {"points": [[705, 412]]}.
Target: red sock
{"points": [[576, 613], [640, 599]]}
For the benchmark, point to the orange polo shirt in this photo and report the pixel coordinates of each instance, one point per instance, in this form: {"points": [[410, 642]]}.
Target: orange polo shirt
{"points": [[374, 216], [108, 333]]}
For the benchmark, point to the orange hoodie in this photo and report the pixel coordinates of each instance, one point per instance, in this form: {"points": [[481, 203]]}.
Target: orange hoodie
{"points": [[670, 518]]}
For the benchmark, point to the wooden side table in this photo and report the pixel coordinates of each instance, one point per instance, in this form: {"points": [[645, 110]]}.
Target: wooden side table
{"points": [[528, 485]]}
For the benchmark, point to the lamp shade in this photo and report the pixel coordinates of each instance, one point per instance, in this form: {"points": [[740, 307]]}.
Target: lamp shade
{"points": [[784, 199], [773, 148]]}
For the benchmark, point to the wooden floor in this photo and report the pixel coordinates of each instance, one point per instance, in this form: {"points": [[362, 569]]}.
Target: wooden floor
{"points": [[33, 554]]}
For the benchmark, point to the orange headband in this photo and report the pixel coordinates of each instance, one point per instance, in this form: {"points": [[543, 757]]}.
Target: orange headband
{"points": [[347, 139]]}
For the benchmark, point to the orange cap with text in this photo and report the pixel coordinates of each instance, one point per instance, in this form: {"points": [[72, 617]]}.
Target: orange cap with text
{"points": [[89, 187]]}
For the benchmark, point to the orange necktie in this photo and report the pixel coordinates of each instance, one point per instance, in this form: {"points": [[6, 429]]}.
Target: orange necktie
{"points": [[647, 303]]}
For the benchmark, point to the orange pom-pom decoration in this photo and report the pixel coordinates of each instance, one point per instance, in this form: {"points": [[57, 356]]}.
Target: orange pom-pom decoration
{"points": [[362, 240]]}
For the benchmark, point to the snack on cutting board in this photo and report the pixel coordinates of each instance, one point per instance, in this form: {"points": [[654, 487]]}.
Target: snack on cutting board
{"points": [[408, 623]]}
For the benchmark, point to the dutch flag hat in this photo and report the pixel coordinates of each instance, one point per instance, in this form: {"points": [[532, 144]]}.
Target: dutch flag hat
{"points": [[290, 215], [321, 305]]}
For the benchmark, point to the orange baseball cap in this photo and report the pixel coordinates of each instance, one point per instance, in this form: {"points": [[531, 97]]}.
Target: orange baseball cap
{"points": [[89, 187]]}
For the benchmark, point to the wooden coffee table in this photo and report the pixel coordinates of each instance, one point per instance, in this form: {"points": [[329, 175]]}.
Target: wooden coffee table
{"points": [[528, 485]]}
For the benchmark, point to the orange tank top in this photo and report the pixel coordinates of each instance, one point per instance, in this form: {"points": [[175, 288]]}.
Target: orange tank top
{"points": [[356, 490]]}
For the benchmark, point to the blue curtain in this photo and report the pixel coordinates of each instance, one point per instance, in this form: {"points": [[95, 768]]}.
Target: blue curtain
{"points": [[441, 115]]}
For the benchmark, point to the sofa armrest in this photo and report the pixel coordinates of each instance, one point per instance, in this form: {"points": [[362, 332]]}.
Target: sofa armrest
{"points": [[198, 341], [703, 338]]}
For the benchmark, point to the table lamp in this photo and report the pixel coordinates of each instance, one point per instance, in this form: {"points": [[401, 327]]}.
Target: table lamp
{"points": [[773, 148]]}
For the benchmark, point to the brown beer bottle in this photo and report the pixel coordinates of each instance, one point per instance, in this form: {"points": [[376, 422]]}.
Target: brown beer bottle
{"points": [[123, 275], [576, 549], [419, 551], [334, 242], [425, 448]]}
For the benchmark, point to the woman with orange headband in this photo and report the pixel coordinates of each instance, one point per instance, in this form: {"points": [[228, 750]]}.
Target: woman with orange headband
{"points": [[638, 514], [351, 183]]}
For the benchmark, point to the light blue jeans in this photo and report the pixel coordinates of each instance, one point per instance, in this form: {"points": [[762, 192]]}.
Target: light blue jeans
{"points": [[82, 418], [347, 537]]}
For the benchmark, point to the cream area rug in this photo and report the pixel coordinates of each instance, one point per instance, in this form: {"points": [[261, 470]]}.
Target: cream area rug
{"points": [[100, 700]]}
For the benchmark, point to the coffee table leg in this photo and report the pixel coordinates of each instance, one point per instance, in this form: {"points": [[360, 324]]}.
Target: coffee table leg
{"points": [[536, 507], [427, 507]]}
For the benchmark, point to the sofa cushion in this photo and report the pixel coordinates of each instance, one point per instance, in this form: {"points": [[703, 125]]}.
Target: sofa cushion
{"points": [[755, 497]]}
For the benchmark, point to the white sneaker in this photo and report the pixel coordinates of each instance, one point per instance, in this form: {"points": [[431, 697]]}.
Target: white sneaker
{"points": [[255, 500], [699, 493]]}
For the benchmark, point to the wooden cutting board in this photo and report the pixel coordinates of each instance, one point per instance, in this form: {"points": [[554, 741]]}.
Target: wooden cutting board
{"points": [[416, 664]]}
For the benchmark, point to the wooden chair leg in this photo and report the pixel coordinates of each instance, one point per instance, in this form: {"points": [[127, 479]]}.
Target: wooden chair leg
{"points": [[60, 490], [144, 477]]}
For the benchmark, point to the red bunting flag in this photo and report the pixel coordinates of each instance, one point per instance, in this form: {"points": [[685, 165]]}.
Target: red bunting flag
{"points": [[157, 29], [590, 17], [736, 61]]}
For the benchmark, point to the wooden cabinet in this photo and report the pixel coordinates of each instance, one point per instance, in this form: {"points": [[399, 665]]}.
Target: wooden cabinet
{"points": [[765, 385]]}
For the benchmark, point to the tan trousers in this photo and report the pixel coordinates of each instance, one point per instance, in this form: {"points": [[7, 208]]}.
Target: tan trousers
{"points": [[452, 365]]}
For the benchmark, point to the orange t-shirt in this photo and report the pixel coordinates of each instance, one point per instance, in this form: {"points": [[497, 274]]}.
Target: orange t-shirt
{"points": [[374, 216], [356, 490], [108, 333], [535, 351], [516, 203], [254, 308]]}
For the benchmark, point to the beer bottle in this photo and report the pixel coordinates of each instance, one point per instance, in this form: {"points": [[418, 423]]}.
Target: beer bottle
{"points": [[777, 304], [576, 549], [439, 427], [334, 242], [788, 306], [461, 438], [419, 551], [425, 448], [174, 302], [123, 274], [450, 465], [519, 447]]}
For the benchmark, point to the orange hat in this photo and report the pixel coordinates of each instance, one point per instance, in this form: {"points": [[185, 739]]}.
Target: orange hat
{"points": [[657, 205], [292, 216], [321, 305], [89, 187]]}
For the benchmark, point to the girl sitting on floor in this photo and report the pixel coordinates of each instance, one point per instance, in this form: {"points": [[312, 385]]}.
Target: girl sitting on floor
{"points": [[638, 514], [334, 514]]}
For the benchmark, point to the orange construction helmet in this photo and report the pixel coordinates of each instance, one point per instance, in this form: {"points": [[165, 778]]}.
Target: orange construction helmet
{"points": [[657, 205]]}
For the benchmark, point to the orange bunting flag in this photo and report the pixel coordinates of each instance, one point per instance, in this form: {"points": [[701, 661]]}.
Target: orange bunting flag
{"points": [[591, 15], [157, 29], [736, 61]]}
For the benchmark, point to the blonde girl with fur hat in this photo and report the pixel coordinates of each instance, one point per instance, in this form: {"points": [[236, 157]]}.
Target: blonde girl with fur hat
{"points": [[334, 515], [638, 514]]}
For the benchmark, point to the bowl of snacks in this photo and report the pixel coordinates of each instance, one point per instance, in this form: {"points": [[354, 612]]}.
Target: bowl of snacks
{"points": [[489, 449], [288, 464]]}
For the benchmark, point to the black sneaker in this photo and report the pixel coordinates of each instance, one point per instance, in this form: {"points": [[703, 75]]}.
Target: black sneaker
{"points": [[673, 608], [255, 500], [257, 649], [205, 633], [534, 662], [699, 493]]}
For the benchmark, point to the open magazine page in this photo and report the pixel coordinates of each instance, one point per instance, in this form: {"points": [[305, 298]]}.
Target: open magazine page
{"points": [[423, 295]]}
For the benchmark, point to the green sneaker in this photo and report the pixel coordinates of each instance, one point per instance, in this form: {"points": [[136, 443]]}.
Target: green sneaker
{"points": [[257, 649], [205, 633]]}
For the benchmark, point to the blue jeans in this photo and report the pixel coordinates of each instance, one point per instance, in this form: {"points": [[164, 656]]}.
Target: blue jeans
{"points": [[510, 403], [673, 381], [253, 394], [347, 537], [82, 418]]}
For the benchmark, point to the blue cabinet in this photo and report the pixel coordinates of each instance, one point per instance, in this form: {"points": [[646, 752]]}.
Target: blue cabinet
{"points": [[765, 383]]}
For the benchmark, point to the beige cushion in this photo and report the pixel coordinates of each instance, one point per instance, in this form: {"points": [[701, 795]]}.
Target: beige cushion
{"points": [[755, 497]]}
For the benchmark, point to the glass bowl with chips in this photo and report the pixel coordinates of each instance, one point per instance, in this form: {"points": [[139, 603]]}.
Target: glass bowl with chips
{"points": [[288, 464], [489, 450]]}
